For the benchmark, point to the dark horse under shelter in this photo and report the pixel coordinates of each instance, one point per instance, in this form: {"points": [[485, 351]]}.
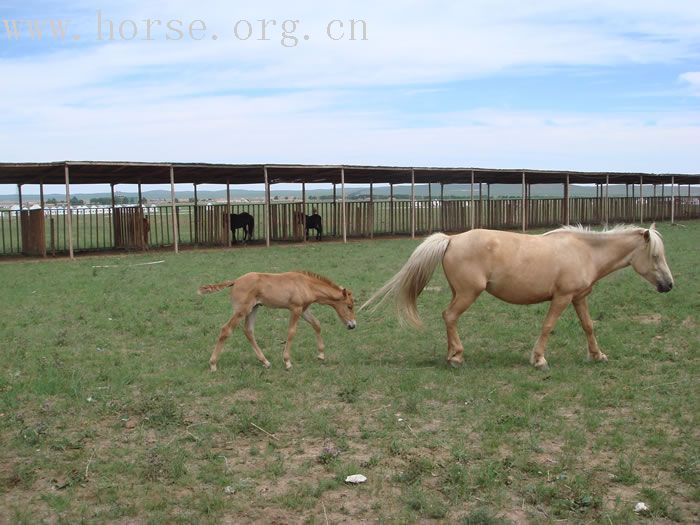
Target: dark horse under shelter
{"points": [[242, 220], [311, 222]]}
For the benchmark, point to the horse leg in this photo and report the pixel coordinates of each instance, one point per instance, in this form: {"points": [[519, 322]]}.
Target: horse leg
{"points": [[291, 332], [594, 353], [316, 325], [226, 330], [459, 304], [556, 307], [249, 331]]}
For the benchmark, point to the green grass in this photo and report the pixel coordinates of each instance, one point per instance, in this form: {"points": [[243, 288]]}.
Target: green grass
{"points": [[108, 411]]}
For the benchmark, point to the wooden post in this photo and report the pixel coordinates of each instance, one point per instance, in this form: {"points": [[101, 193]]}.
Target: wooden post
{"points": [[413, 203], [607, 200], [481, 206], [442, 206], [19, 216], [335, 212], [343, 211], [391, 207], [141, 240], [371, 210], [430, 208], [69, 220], [173, 205], [673, 199], [641, 199], [567, 191], [196, 216], [523, 211], [42, 204], [114, 223], [488, 203], [303, 211], [471, 201], [228, 212], [663, 200], [267, 208]]}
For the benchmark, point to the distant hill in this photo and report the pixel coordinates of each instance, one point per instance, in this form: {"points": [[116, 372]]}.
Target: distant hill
{"points": [[403, 191]]}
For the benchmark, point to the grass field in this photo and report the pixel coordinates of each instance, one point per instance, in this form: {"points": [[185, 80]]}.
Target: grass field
{"points": [[108, 412]]}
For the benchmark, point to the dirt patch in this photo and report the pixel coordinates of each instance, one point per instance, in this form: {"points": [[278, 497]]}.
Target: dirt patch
{"points": [[245, 394], [689, 323], [648, 319]]}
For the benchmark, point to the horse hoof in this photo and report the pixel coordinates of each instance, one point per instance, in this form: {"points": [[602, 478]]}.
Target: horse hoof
{"points": [[212, 367], [267, 364], [287, 365], [542, 365], [321, 357], [456, 363], [600, 357]]}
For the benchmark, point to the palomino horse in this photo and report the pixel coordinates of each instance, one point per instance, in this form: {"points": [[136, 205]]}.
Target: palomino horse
{"points": [[242, 220], [295, 291], [560, 266], [311, 222]]}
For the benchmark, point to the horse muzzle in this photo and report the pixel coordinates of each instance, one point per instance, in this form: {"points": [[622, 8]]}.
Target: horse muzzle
{"points": [[351, 325], [664, 287]]}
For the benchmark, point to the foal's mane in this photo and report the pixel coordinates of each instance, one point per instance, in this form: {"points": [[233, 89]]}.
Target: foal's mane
{"points": [[319, 277], [655, 242]]}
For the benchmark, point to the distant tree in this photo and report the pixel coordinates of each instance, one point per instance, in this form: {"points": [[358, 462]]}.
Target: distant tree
{"points": [[101, 200], [52, 201], [75, 201]]}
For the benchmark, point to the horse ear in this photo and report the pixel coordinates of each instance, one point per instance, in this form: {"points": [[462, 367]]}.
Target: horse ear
{"points": [[653, 226], [345, 292], [647, 235]]}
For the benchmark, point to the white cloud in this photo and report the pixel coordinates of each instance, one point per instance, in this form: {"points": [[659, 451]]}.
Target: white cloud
{"points": [[692, 80]]}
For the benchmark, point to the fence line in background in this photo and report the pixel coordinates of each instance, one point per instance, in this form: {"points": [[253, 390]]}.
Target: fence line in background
{"points": [[205, 225]]}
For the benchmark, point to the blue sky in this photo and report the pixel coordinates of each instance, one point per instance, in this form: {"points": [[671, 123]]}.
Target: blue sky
{"points": [[582, 84]]}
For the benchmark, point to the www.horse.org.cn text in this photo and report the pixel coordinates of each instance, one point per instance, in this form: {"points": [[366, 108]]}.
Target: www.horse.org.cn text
{"points": [[288, 33]]}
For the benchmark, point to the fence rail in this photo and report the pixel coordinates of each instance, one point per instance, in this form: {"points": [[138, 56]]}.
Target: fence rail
{"points": [[207, 225]]}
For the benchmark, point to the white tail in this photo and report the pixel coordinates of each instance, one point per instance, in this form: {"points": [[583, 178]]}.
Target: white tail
{"points": [[408, 283]]}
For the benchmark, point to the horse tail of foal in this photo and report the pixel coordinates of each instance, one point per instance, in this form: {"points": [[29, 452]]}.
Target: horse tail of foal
{"points": [[406, 286], [211, 288]]}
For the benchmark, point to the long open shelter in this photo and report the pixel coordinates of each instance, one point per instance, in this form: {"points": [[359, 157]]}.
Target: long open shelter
{"points": [[129, 228]]}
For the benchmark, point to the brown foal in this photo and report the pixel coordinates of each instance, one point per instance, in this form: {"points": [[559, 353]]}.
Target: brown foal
{"points": [[295, 291]]}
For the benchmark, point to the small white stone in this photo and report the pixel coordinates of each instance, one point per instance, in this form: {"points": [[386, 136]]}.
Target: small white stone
{"points": [[229, 490], [641, 507], [355, 478]]}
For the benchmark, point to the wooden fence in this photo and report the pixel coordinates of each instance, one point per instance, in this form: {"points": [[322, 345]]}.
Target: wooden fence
{"points": [[123, 227]]}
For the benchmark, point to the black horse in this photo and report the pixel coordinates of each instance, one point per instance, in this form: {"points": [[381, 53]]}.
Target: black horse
{"points": [[242, 220], [311, 222]]}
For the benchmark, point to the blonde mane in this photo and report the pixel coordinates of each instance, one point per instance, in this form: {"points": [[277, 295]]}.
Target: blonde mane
{"points": [[655, 241]]}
